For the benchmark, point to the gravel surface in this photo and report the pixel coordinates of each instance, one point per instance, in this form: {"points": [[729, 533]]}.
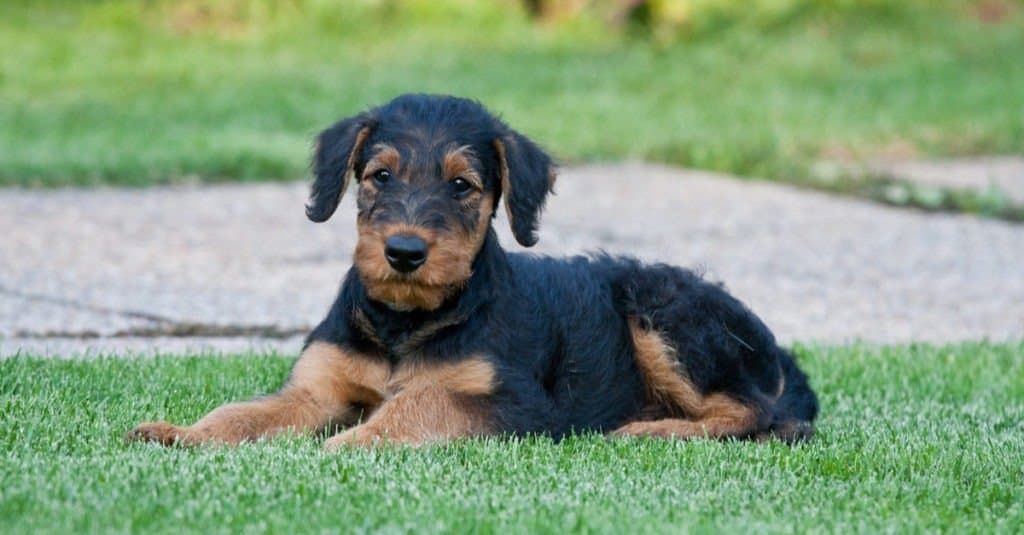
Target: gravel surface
{"points": [[817, 268]]}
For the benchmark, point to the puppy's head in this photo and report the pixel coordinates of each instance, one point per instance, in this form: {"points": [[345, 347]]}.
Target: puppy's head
{"points": [[430, 171]]}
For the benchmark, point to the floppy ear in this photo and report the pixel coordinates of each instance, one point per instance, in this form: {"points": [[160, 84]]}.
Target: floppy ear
{"points": [[527, 176], [337, 149]]}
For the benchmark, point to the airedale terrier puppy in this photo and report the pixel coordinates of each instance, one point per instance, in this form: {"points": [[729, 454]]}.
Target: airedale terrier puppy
{"points": [[438, 333]]}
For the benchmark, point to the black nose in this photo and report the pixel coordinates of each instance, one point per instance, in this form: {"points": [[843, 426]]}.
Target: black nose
{"points": [[405, 253]]}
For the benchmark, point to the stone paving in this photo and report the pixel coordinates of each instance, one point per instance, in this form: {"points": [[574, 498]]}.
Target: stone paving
{"points": [[1003, 174], [239, 267]]}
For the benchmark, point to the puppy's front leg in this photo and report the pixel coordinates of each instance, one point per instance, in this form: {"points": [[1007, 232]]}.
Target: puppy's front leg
{"points": [[433, 403], [426, 415], [325, 386]]}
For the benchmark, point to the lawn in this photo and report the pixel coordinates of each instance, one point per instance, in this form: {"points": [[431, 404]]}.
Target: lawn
{"points": [[913, 439], [124, 92]]}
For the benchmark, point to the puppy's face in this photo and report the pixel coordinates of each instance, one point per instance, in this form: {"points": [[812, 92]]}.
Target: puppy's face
{"points": [[430, 171], [425, 206]]}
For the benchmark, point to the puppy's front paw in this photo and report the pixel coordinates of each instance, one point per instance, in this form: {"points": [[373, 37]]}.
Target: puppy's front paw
{"points": [[359, 436], [159, 432]]}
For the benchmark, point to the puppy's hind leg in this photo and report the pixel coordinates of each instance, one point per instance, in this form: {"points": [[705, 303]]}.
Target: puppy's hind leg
{"points": [[695, 414], [720, 418]]}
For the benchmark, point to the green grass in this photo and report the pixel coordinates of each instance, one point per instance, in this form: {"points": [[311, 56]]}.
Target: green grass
{"points": [[136, 93], [912, 439]]}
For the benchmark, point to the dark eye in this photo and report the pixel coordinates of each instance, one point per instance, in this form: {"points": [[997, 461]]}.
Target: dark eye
{"points": [[461, 186], [382, 177]]}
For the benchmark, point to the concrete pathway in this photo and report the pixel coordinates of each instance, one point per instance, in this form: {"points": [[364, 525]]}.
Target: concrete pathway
{"points": [[1003, 174], [236, 267]]}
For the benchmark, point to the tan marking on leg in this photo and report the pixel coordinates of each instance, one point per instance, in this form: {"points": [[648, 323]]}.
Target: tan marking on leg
{"points": [[325, 385], [665, 382], [418, 416], [333, 375], [433, 403], [724, 417], [715, 415]]}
